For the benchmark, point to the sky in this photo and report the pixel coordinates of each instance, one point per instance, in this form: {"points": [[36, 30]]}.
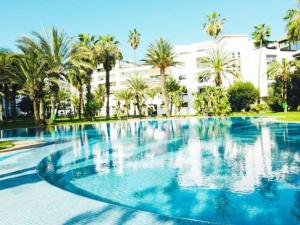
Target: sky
{"points": [[179, 21]]}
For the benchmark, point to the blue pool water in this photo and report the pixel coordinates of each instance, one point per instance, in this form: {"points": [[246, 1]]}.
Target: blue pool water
{"points": [[233, 171]]}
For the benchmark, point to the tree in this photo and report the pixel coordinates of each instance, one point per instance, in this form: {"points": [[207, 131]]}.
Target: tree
{"points": [[30, 70], [212, 100], [214, 25], [283, 70], [138, 88], [292, 18], [161, 55], [87, 43], [125, 96], [218, 64], [99, 96], [175, 91], [78, 71], [56, 50], [242, 95], [134, 39], [5, 67], [108, 53], [260, 37]]}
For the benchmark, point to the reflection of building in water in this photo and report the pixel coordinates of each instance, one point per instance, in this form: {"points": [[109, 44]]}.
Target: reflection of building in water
{"points": [[222, 163]]}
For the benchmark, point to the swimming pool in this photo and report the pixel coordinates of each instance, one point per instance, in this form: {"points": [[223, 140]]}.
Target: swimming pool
{"points": [[230, 170]]}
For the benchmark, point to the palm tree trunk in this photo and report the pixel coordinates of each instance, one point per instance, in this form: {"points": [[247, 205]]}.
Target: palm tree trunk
{"points": [[1, 109], [138, 105], [13, 102], [36, 111], [107, 86], [52, 103], [7, 103], [164, 91], [171, 105], [259, 68], [88, 108], [285, 93], [79, 104], [42, 110]]}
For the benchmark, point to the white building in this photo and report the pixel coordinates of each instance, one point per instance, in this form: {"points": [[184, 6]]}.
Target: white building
{"points": [[241, 48]]}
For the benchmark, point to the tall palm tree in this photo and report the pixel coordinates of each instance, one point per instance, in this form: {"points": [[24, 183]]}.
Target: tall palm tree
{"points": [[5, 66], [161, 55], [284, 70], [87, 43], [134, 39], [260, 37], [56, 50], [99, 95], [293, 23], [108, 53], [214, 25], [175, 91], [218, 64], [124, 95], [30, 70], [79, 69], [138, 88]]}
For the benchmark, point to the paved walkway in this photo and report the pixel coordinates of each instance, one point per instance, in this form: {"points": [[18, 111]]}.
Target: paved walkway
{"points": [[25, 198]]}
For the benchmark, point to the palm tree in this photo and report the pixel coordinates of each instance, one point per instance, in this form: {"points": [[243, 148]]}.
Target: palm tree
{"points": [[100, 96], [138, 88], [284, 70], [125, 96], [214, 25], [293, 23], [134, 39], [108, 53], [218, 64], [161, 55], [56, 50], [78, 71], [87, 43], [175, 91], [5, 64], [77, 79], [30, 70], [260, 36]]}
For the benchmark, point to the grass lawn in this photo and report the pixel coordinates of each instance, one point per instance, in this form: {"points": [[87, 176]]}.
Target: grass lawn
{"points": [[280, 116], [23, 123], [5, 144]]}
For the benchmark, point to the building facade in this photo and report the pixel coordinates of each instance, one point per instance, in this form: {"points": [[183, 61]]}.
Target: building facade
{"points": [[242, 49]]}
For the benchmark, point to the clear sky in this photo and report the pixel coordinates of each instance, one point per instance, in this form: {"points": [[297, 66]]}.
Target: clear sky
{"points": [[180, 21]]}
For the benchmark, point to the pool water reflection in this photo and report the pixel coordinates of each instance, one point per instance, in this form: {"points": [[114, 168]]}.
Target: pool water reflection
{"points": [[233, 170]]}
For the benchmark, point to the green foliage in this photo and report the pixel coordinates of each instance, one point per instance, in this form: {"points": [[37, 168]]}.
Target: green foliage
{"points": [[242, 95], [260, 35], [214, 25], [212, 100], [292, 18], [138, 88], [219, 65], [259, 108], [175, 92]]}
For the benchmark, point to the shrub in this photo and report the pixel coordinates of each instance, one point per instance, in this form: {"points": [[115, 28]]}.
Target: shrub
{"points": [[259, 108], [242, 95], [212, 100]]}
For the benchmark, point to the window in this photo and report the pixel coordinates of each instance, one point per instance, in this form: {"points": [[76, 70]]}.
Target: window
{"points": [[270, 59], [182, 77], [237, 61], [185, 104]]}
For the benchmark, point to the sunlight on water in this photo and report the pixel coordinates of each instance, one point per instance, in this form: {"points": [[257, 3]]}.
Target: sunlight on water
{"points": [[238, 170]]}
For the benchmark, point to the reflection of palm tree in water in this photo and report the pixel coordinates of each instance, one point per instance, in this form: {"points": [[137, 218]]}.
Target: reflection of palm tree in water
{"points": [[109, 145], [222, 204], [268, 189]]}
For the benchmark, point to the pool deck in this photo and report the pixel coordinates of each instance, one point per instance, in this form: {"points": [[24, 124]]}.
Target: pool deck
{"points": [[27, 199]]}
